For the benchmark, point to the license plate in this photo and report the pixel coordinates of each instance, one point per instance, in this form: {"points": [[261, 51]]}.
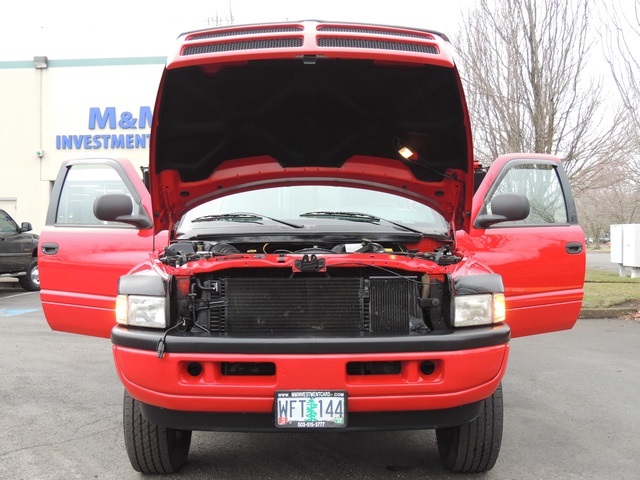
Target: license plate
{"points": [[311, 409]]}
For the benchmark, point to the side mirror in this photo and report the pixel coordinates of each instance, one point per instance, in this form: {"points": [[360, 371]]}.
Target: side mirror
{"points": [[118, 207], [505, 207], [25, 227]]}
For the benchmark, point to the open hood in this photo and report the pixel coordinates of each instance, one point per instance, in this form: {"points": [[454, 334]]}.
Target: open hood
{"points": [[246, 107]]}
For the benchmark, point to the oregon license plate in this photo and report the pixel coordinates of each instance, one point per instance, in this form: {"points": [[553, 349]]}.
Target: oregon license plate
{"points": [[311, 409]]}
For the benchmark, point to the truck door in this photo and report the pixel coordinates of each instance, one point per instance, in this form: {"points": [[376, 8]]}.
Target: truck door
{"points": [[15, 250], [80, 257], [542, 257]]}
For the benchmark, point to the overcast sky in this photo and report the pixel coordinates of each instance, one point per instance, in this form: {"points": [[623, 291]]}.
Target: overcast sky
{"points": [[64, 29]]}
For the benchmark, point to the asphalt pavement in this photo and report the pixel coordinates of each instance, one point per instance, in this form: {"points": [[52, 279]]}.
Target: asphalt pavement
{"points": [[570, 413], [601, 260]]}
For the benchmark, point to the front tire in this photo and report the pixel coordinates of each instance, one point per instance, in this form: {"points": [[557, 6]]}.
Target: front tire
{"points": [[474, 447], [152, 448], [31, 281]]}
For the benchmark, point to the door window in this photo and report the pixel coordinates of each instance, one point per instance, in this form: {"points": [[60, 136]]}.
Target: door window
{"points": [[540, 183], [82, 185], [7, 225]]}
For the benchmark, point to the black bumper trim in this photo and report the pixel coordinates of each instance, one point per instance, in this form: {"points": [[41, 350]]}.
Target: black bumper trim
{"points": [[196, 342], [358, 421]]}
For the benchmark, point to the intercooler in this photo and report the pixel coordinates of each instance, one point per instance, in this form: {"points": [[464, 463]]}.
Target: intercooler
{"points": [[310, 305]]}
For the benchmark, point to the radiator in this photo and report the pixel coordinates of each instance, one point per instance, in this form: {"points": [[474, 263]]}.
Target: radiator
{"points": [[307, 305]]}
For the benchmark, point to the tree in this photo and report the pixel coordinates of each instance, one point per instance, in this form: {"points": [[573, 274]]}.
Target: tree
{"points": [[600, 208], [525, 66], [622, 36], [218, 21]]}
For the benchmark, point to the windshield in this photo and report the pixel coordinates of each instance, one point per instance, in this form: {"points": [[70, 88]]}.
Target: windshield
{"points": [[310, 205]]}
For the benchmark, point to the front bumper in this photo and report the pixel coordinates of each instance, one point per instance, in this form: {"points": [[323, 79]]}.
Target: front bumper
{"points": [[467, 366], [199, 342], [358, 421]]}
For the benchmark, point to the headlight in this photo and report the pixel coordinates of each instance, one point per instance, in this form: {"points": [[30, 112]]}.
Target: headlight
{"points": [[141, 311], [483, 309]]}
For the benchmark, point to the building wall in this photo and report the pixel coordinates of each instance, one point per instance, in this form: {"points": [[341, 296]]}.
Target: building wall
{"points": [[80, 108]]}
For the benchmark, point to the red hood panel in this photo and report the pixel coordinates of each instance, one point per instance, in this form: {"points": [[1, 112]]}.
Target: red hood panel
{"points": [[241, 108]]}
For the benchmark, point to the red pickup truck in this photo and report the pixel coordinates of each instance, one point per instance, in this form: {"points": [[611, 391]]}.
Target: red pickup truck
{"points": [[316, 249]]}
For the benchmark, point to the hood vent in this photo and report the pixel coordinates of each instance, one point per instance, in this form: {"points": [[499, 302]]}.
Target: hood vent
{"points": [[247, 45], [341, 42], [373, 31], [291, 36], [245, 31]]}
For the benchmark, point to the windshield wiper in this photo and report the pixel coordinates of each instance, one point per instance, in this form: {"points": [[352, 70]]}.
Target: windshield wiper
{"points": [[243, 217], [358, 217], [351, 216]]}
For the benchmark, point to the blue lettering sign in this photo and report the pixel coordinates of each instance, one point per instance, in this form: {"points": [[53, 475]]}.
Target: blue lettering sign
{"points": [[107, 118], [145, 117], [94, 142], [141, 140], [117, 141], [96, 116], [101, 119], [127, 120]]}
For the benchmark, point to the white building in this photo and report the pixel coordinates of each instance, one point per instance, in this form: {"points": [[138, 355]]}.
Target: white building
{"points": [[54, 110]]}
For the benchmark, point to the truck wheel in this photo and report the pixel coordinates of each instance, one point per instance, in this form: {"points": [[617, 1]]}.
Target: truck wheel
{"points": [[152, 448], [474, 447], [31, 281]]}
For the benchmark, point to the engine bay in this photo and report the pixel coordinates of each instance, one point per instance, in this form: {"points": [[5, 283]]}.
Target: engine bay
{"points": [[184, 251]]}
